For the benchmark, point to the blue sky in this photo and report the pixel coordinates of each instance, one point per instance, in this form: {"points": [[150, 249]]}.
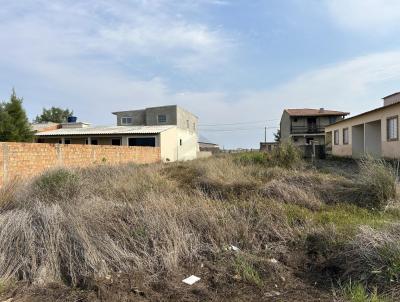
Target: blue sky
{"points": [[227, 61]]}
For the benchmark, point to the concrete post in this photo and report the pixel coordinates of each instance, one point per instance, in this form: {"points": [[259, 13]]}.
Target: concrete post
{"points": [[5, 162]]}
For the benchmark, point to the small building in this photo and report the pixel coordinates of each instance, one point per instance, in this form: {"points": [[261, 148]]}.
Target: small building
{"points": [[206, 146], [307, 126], [268, 146], [374, 133], [171, 128]]}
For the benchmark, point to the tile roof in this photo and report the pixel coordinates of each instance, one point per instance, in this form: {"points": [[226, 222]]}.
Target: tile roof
{"points": [[107, 130], [313, 112]]}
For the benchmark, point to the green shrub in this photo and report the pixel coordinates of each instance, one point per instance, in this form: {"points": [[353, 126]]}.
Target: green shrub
{"points": [[61, 184], [286, 155], [252, 158], [376, 184]]}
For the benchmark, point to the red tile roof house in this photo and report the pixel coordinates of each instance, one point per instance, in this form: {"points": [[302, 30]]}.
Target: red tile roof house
{"points": [[307, 126]]}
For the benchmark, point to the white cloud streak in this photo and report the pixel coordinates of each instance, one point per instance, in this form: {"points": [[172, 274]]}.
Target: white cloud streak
{"points": [[369, 16]]}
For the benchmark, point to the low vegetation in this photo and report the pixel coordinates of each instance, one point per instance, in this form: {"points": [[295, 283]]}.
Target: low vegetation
{"points": [[132, 233]]}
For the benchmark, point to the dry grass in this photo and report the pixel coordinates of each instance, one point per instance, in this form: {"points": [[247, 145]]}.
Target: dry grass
{"points": [[74, 226]]}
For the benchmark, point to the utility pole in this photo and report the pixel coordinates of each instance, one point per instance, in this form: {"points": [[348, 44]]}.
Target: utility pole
{"points": [[265, 134]]}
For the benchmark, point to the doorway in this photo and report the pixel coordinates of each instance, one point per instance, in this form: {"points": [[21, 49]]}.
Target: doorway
{"points": [[312, 124]]}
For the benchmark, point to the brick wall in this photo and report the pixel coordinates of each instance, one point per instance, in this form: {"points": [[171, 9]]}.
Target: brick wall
{"points": [[24, 160]]}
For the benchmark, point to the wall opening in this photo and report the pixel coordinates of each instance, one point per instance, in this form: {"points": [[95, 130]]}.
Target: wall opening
{"points": [[373, 139], [357, 141]]}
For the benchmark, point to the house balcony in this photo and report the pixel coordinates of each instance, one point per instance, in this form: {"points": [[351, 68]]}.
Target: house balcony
{"points": [[307, 130]]}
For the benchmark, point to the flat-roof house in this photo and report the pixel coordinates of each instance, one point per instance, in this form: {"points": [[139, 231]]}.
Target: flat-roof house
{"points": [[375, 132], [306, 126], [171, 128]]}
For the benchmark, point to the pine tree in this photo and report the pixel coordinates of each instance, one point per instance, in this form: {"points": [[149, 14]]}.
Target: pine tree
{"points": [[14, 124]]}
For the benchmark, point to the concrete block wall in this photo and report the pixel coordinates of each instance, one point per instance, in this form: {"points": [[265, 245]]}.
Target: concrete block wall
{"points": [[25, 160]]}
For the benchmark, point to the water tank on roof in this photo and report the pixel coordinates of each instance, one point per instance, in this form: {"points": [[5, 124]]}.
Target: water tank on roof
{"points": [[72, 119]]}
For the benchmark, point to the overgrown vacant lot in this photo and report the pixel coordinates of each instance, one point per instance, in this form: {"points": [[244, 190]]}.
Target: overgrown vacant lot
{"points": [[324, 232]]}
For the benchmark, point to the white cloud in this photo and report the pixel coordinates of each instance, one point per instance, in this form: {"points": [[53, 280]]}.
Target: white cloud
{"points": [[370, 16], [156, 30]]}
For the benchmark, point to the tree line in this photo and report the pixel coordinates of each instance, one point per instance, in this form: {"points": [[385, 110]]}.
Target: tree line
{"points": [[14, 122]]}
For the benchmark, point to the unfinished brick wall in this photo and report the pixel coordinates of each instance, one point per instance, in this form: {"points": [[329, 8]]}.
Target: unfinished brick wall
{"points": [[25, 160]]}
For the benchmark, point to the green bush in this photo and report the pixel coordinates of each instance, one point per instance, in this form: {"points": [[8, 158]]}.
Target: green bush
{"points": [[252, 158], [61, 184], [286, 155]]}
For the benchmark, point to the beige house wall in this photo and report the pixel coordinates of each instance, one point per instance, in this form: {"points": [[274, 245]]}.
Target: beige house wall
{"points": [[178, 144], [389, 149]]}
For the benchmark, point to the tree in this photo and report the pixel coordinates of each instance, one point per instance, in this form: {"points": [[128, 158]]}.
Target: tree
{"points": [[54, 114], [14, 124], [277, 136]]}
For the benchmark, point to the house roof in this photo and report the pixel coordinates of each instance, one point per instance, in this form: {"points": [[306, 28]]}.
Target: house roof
{"points": [[390, 95], [314, 112], [365, 113], [106, 130]]}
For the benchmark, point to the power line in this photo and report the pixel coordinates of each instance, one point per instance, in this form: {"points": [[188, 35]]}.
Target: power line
{"points": [[236, 129], [240, 123]]}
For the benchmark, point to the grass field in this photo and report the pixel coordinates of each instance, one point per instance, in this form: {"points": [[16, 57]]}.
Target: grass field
{"points": [[327, 231]]}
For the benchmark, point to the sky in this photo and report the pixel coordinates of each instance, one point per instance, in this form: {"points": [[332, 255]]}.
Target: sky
{"points": [[236, 64]]}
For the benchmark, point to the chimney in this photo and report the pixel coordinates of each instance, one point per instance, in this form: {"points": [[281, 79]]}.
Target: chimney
{"points": [[321, 110]]}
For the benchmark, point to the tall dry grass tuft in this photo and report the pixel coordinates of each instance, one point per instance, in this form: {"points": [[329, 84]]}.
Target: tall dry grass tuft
{"points": [[373, 256], [376, 184]]}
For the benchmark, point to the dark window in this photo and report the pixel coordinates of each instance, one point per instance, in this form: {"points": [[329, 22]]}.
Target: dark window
{"points": [[94, 142], [295, 120], [126, 120], [295, 139], [116, 142], [392, 128], [336, 137], [345, 136], [40, 140], [309, 140], [332, 119], [142, 141], [67, 141], [162, 118], [180, 142]]}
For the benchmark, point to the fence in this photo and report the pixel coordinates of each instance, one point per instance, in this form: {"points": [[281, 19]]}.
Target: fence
{"points": [[24, 160]]}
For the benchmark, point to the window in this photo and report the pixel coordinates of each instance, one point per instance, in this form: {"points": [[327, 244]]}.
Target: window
{"points": [[332, 119], [187, 124], [345, 136], [126, 120], [67, 141], [116, 141], [336, 137], [180, 142], [194, 126], [392, 128], [162, 118], [142, 141], [295, 120], [94, 142], [309, 140]]}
